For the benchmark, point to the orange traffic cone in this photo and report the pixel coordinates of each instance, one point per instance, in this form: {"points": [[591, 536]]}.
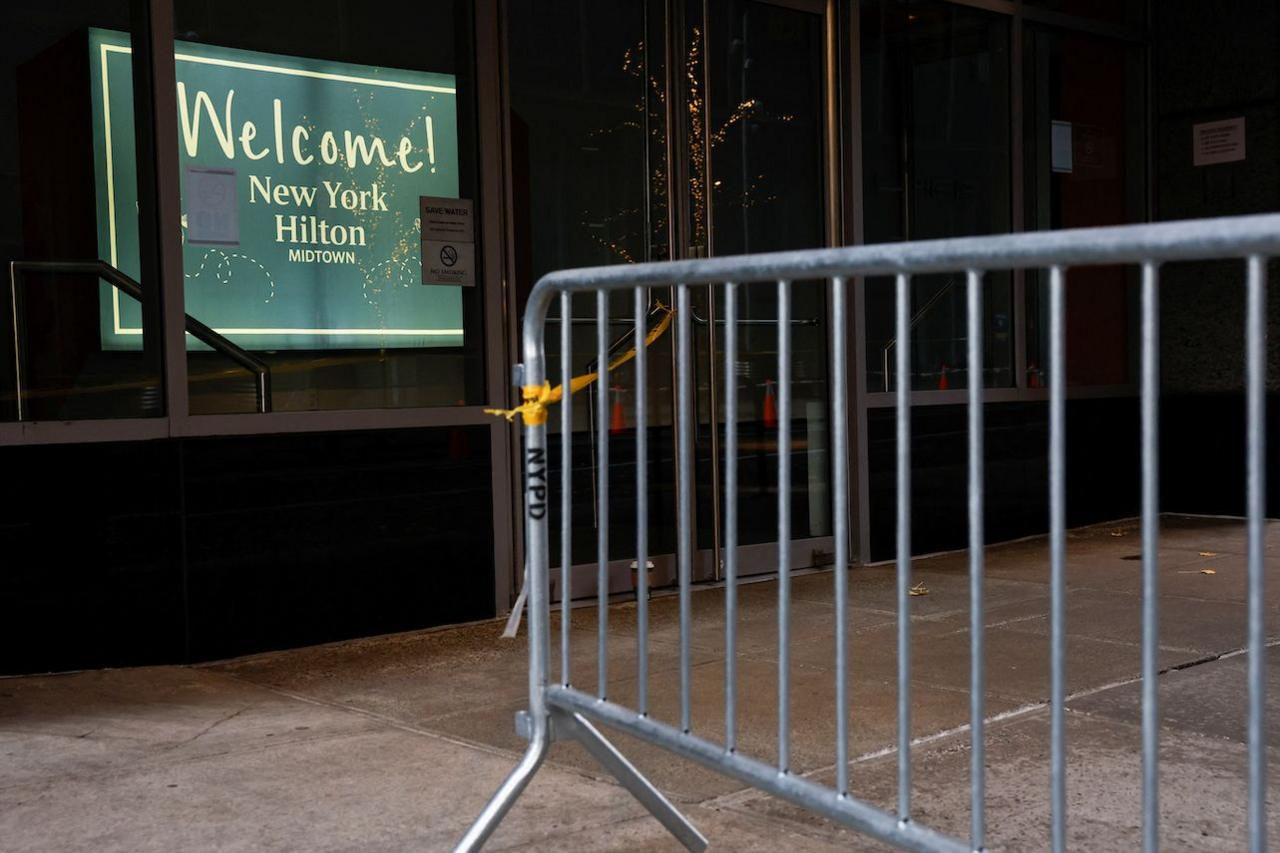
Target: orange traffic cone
{"points": [[770, 413], [617, 418], [1033, 376], [944, 384]]}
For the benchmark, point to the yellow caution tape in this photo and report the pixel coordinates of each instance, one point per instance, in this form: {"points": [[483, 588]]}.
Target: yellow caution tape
{"points": [[538, 397]]}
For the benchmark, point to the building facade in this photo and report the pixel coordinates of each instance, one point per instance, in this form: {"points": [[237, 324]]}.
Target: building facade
{"points": [[267, 263]]}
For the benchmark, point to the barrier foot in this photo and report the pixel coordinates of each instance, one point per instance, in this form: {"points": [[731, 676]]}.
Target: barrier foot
{"points": [[509, 791], [573, 725]]}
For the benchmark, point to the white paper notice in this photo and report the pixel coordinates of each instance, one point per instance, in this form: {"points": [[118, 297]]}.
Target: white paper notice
{"points": [[1217, 142], [213, 208], [1060, 146], [451, 262], [448, 240]]}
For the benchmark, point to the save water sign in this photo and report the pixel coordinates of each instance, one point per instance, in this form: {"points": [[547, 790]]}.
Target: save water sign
{"points": [[301, 182]]}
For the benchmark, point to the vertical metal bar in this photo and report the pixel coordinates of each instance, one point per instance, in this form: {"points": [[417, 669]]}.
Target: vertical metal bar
{"points": [[684, 486], [713, 406], [17, 338], [1256, 384], [855, 233], [708, 185], [498, 256], [1057, 559], [977, 661], [840, 526], [832, 86], [708, 188], [535, 473], [156, 131], [566, 481], [1150, 561], [1020, 364], [602, 490], [730, 516], [262, 390], [643, 84], [784, 525], [642, 504], [538, 541], [902, 332]]}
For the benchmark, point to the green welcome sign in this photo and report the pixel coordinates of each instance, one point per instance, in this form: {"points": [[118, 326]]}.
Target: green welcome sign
{"points": [[301, 182]]}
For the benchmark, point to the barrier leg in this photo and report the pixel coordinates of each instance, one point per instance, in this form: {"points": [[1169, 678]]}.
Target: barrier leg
{"points": [[574, 726], [508, 792]]}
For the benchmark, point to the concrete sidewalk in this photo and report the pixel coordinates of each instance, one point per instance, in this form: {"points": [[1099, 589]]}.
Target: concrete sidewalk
{"points": [[396, 742]]}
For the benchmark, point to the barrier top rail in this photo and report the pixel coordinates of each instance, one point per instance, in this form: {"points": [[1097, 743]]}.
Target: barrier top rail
{"points": [[1184, 240]]}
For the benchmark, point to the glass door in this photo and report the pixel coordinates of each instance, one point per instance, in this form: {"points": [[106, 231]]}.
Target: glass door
{"points": [[590, 187], [755, 171], [662, 130]]}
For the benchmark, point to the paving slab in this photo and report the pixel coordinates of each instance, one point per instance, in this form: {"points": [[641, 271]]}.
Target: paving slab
{"points": [[1201, 797], [396, 742], [946, 580], [1017, 660], [245, 769], [812, 609], [1191, 532], [1190, 625], [412, 676], [91, 724], [872, 721], [1209, 699], [724, 829]]}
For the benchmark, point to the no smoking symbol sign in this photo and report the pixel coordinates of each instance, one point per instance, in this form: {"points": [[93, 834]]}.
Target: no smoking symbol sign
{"points": [[448, 255]]}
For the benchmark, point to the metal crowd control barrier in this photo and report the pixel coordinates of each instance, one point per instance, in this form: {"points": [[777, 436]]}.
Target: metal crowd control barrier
{"points": [[560, 710]]}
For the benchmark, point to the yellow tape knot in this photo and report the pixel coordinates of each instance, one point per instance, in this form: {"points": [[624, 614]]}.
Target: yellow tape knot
{"points": [[534, 408]]}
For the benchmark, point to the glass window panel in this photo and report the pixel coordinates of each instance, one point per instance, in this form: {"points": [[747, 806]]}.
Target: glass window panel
{"points": [[311, 134], [936, 164], [70, 185], [589, 187], [765, 114], [1083, 144]]}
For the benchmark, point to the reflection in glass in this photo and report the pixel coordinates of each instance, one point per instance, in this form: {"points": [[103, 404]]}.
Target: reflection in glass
{"points": [[936, 164], [764, 155], [588, 145], [71, 196], [1083, 143]]}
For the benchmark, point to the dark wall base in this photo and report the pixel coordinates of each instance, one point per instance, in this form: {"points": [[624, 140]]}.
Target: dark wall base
{"points": [[195, 549], [1102, 462], [1203, 454], [1202, 461]]}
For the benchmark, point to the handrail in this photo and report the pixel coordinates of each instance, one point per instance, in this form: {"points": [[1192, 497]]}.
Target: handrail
{"points": [[915, 320], [117, 279]]}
